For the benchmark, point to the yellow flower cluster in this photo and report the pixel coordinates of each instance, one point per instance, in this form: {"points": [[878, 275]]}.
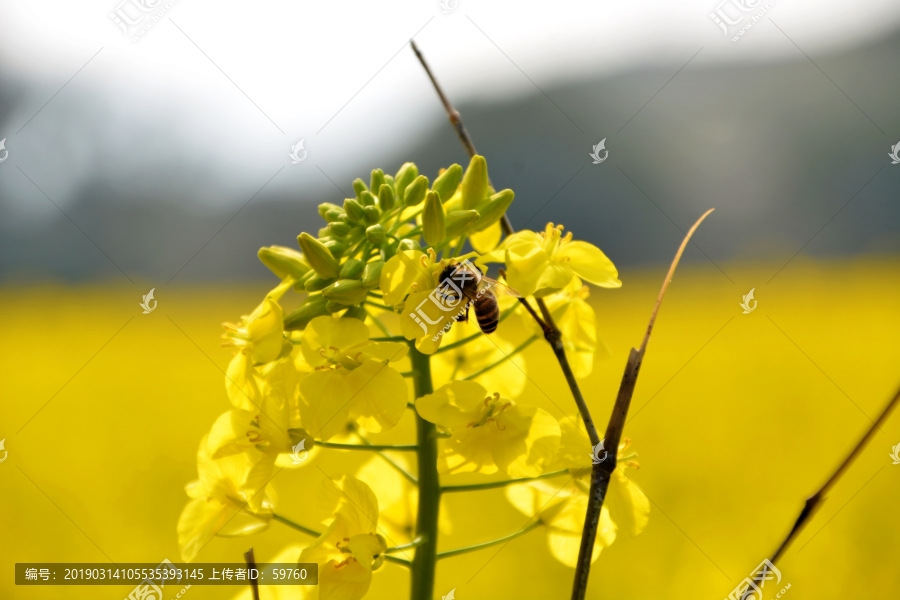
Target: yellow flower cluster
{"points": [[374, 293]]}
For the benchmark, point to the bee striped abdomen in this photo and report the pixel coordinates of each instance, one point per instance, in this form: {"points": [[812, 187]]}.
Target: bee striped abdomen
{"points": [[488, 312]]}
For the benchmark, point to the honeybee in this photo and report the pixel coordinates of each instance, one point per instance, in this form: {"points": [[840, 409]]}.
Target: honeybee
{"points": [[468, 280]]}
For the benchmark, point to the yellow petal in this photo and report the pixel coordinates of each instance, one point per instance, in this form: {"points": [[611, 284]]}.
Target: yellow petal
{"points": [[229, 434], [353, 502], [265, 328], [525, 440], [325, 402], [401, 273], [453, 406], [467, 451], [198, 524], [426, 314], [343, 581], [365, 547], [326, 333], [487, 240], [241, 383], [575, 449], [564, 545], [379, 396], [589, 263], [628, 506]]}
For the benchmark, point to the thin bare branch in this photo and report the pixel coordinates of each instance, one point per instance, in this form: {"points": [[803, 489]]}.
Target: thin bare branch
{"points": [[813, 502], [251, 567]]}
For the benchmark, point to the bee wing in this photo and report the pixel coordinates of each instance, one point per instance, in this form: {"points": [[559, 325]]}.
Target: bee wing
{"points": [[498, 288]]}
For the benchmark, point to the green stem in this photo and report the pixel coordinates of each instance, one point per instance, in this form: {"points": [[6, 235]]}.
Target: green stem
{"points": [[512, 536], [336, 446], [296, 526], [388, 338], [425, 562], [496, 484], [521, 347]]}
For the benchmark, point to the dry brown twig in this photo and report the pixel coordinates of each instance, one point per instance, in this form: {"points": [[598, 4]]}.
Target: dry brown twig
{"points": [[600, 472], [813, 502], [251, 564]]}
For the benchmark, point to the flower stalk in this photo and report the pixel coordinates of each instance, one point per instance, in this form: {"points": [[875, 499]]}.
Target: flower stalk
{"points": [[424, 563]]}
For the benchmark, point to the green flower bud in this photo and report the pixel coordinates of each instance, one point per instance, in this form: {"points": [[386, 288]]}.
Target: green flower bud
{"points": [[475, 183], [447, 182], [336, 248], [327, 206], [354, 210], [338, 229], [355, 312], [458, 222], [335, 214], [284, 261], [346, 291], [306, 312], [315, 282], [433, 219], [404, 177], [389, 179], [376, 181], [367, 198], [492, 209], [372, 274], [376, 234], [333, 306], [372, 214], [386, 197], [415, 191], [407, 245], [352, 269], [318, 256], [359, 186]]}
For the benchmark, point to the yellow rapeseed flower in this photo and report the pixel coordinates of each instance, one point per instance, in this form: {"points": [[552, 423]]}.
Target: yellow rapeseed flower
{"points": [[352, 378], [398, 499], [221, 492], [625, 507], [489, 434], [261, 333], [349, 549], [541, 263], [576, 320]]}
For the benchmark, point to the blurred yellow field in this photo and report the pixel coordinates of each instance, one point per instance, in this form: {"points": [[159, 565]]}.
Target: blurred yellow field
{"points": [[736, 419]]}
